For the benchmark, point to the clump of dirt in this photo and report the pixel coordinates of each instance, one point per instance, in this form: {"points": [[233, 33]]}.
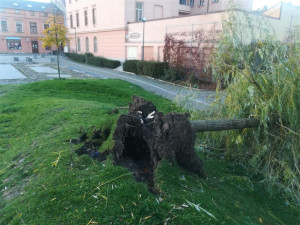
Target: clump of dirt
{"points": [[141, 141], [92, 144]]}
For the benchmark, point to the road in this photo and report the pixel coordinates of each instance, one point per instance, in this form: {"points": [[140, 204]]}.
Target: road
{"points": [[190, 98]]}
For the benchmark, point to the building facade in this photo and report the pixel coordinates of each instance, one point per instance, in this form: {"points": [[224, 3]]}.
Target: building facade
{"points": [[101, 27], [22, 25]]}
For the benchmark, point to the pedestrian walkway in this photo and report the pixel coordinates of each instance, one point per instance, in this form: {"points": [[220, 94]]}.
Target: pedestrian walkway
{"points": [[8, 72]]}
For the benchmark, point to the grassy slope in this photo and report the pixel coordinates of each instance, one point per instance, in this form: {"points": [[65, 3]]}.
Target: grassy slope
{"points": [[35, 121]]}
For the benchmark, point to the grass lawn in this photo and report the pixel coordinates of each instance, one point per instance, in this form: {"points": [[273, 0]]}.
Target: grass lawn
{"points": [[43, 182]]}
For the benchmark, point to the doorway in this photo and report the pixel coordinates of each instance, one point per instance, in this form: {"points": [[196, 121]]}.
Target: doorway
{"points": [[35, 46]]}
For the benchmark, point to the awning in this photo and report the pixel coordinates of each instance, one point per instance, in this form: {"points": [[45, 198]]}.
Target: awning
{"points": [[13, 38]]}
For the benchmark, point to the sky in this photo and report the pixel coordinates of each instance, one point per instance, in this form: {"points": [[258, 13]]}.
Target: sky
{"points": [[256, 3]]}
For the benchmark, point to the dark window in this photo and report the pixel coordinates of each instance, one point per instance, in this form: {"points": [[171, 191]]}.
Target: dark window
{"points": [[215, 1], [94, 15], [4, 26], [78, 43], [19, 27], [182, 2], [86, 17], [95, 45], [17, 11], [45, 14], [48, 48], [46, 26], [139, 11], [77, 19], [33, 28], [71, 21], [13, 44], [87, 45], [201, 2], [31, 13]]}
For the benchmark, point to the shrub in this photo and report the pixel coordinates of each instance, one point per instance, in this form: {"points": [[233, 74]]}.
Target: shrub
{"points": [[76, 57], [90, 59], [147, 68], [130, 66]]}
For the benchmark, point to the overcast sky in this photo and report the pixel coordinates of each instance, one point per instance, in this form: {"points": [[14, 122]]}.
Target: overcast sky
{"points": [[256, 3]]}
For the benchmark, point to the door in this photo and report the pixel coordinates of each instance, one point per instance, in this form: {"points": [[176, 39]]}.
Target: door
{"points": [[35, 46], [149, 53], [131, 52]]}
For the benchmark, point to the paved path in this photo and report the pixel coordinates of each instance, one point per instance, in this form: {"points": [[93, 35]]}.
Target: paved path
{"points": [[8, 72], [184, 96]]}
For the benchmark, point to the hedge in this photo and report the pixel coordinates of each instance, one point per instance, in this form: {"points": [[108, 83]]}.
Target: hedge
{"points": [[148, 68], [90, 59]]}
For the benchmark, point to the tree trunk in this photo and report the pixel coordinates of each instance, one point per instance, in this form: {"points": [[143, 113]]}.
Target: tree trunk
{"points": [[58, 66], [217, 125]]}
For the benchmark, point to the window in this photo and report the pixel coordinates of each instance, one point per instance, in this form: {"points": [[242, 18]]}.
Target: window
{"points": [[33, 28], [85, 17], [192, 3], [46, 26], [71, 21], [13, 44], [48, 48], [31, 13], [4, 26], [139, 11], [19, 27], [2, 10], [215, 1], [45, 14], [87, 45], [94, 15], [95, 45], [182, 2], [78, 43], [77, 19], [17, 11], [201, 2]]}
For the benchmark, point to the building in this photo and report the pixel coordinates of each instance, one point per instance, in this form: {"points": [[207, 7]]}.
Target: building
{"points": [[101, 27], [22, 24]]}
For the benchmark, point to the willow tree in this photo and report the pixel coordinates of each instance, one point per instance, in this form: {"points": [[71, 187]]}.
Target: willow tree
{"points": [[55, 34]]}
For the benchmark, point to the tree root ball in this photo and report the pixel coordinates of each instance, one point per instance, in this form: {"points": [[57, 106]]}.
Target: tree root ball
{"points": [[141, 142]]}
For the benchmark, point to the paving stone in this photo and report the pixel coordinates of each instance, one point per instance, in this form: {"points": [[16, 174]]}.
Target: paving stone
{"points": [[8, 72]]}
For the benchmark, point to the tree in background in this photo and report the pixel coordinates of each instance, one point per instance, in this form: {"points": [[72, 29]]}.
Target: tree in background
{"points": [[55, 34]]}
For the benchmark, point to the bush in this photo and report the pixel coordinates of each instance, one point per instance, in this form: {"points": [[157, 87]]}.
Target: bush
{"points": [[130, 66], [76, 57], [147, 68], [90, 59]]}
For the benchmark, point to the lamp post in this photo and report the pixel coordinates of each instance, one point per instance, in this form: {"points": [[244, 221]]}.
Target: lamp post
{"points": [[143, 50], [75, 38]]}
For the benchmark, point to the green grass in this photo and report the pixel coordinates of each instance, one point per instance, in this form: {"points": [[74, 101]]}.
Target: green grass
{"points": [[36, 120]]}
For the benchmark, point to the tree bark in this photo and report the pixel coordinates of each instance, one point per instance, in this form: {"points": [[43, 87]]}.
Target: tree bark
{"points": [[217, 125]]}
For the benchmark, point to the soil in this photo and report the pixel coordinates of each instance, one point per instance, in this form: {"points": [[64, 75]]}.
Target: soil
{"points": [[141, 143]]}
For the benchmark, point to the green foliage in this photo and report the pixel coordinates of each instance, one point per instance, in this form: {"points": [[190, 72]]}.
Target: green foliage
{"points": [[76, 57], [263, 81], [90, 59], [130, 66], [147, 68], [38, 119]]}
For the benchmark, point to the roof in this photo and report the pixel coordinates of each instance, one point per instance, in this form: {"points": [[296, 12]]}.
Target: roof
{"points": [[28, 5]]}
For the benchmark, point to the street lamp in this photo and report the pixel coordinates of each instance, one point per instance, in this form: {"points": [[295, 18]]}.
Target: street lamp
{"points": [[143, 50], [75, 38]]}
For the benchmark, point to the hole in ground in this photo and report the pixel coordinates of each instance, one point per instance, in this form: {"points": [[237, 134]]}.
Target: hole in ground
{"points": [[137, 158]]}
